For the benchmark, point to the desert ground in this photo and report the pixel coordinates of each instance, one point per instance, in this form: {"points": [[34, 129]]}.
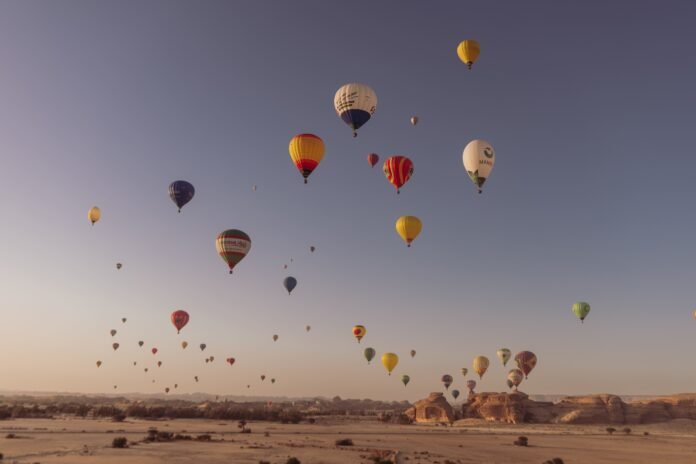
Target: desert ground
{"points": [[73, 440]]}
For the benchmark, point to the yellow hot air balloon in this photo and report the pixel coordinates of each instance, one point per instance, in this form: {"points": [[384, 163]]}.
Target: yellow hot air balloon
{"points": [[389, 361], [481, 364], [408, 227], [306, 151], [468, 51], [94, 214]]}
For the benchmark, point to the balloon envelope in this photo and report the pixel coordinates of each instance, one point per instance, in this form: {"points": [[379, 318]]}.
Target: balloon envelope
{"points": [[413, 353], [405, 379], [179, 318], [455, 394], [471, 384], [202, 346], [232, 245], [468, 51], [355, 104], [398, 170], [94, 214], [515, 376], [389, 361], [581, 310], [478, 158], [359, 332], [306, 152], [373, 158], [480, 365], [504, 355], [289, 283], [526, 361], [446, 380], [408, 228], [465, 371], [369, 354], [115, 346], [154, 350], [181, 192]]}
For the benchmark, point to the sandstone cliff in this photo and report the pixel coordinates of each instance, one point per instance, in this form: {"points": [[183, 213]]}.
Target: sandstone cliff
{"points": [[433, 409]]}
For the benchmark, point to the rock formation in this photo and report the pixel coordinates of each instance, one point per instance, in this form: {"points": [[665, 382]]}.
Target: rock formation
{"points": [[433, 409]]}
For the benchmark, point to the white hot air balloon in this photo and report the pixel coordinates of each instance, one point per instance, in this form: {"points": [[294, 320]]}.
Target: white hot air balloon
{"points": [[355, 104], [479, 158]]}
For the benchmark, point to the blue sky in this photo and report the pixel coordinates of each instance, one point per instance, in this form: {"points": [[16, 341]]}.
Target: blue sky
{"points": [[589, 106]]}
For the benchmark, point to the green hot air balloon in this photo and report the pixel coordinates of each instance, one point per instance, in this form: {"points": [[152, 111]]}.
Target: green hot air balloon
{"points": [[405, 379], [369, 354], [581, 310]]}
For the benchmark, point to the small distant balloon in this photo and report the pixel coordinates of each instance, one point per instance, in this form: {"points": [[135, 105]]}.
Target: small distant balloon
{"points": [[398, 170], [232, 245], [275, 338], [159, 363], [447, 381], [290, 283], [230, 361], [455, 394], [272, 380], [99, 363], [141, 343], [408, 228], [94, 214], [581, 310], [123, 319], [263, 377], [369, 354], [179, 318], [471, 385], [480, 365], [468, 51], [115, 346], [526, 361], [308, 328], [202, 346], [405, 379], [119, 265], [414, 120], [413, 353], [465, 371], [154, 350], [184, 344], [504, 355], [373, 159], [312, 248], [112, 332]]}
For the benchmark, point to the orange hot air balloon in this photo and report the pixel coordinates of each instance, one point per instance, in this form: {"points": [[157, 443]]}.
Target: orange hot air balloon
{"points": [[398, 170], [154, 350], [179, 318], [373, 158], [359, 332], [306, 151]]}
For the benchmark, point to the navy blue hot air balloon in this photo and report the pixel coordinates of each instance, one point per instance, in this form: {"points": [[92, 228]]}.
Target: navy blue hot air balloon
{"points": [[290, 283], [181, 192]]}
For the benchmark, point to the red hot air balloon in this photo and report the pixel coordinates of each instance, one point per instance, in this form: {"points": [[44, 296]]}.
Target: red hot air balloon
{"points": [[230, 361], [154, 351], [373, 158], [180, 318], [398, 170], [526, 361]]}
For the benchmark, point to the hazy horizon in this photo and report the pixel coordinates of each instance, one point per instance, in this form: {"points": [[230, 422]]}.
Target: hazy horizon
{"points": [[106, 103]]}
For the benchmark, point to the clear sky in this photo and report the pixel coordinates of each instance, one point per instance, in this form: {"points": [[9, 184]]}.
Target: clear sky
{"points": [[589, 105]]}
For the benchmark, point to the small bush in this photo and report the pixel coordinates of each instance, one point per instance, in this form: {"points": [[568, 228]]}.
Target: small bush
{"points": [[646, 433], [344, 442], [311, 420], [626, 430], [521, 441], [120, 442], [293, 461], [118, 417], [10, 436], [610, 430]]}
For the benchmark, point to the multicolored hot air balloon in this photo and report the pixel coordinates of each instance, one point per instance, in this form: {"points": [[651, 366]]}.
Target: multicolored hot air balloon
{"points": [[515, 377], [355, 104], [471, 385], [465, 371], [115, 346], [359, 332], [373, 158], [389, 361], [154, 350], [289, 283], [405, 379], [179, 318], [468, 51], [306, 151], [112, 332], [478, 158], [184, 344], [398, 170], [526, 361], [369, 354], [230, 361], [181, 192], [99, 363], [504, 355], [447, 381], [94, 214], [233, 245], [275, 338], [455, 394], [413, 353], [480, 365], [581, 310], [408, 228]]}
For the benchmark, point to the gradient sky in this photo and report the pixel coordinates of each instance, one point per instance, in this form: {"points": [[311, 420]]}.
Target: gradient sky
{"points": [[590, 108]]}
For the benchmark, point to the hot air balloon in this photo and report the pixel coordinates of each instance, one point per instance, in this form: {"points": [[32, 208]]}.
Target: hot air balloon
{"points": [[184, 344], [275, 338], [176, 385], [115, 387], [308, 328], [212, 358], [232, 245], [389, 361], [471, 385], [289, 283], [581, 310], [207, 360], [195, 377], [272, 380], [166, 390], [123, 319], [159, 363], [465, 371], [455, 394], [112, 332], [405, 379], [373, 158], [446, 381], [369, 354], [481, 364], [359, 332], [181, 192], [515, 377], [115, 346], [230, 361], [414, 120], [526, 360], [355, 104], [408, 227], [99, 363], [504, 355], [94, 214], [202, 346], [312, 248], [468, 51], [413, 353], [398, 170], [263, 377], [479, 158], [154, 350], [509, 383], [179, 318], [146, 369], [141, 343], [306, 151], [119, 265]]}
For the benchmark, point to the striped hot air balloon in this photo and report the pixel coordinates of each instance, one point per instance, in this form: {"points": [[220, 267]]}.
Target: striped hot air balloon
{"points": [[398, 170], [232, 245], [306, 151]]}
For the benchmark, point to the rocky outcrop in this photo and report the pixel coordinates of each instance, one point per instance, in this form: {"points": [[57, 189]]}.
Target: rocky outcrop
{"points": [[594, 409], [433, 409]]}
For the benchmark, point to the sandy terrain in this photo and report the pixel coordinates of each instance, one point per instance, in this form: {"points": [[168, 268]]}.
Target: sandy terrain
{"points": [[88, 441]]}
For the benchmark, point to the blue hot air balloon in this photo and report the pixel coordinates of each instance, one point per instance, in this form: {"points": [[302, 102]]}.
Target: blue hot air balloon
{"points": [[290, 283], [181, 192]]}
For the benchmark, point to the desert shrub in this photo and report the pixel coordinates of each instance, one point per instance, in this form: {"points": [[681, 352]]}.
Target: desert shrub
{"points": [[626, 430], [293, 461], [120, 417], [9, 436], [521, 441], [179, 436], [311, 420], [344, 442], [292, 417], [646, 433], [610, 430], [119, 442]]}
